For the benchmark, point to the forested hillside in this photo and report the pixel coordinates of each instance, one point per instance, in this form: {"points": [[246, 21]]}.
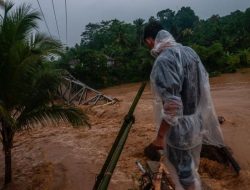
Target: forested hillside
{"points": [[112, 52]]}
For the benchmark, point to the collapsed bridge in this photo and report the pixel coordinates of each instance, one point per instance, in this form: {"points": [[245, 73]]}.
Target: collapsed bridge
{"points": [[74, 91]]}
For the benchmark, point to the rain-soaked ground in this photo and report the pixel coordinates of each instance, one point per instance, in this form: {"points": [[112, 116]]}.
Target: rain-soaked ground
{"points": [[69, 159]]}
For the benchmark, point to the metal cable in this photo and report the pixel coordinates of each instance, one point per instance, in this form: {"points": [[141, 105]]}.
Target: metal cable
{"points": [[44, 18], [66, 14], [56, 19]]}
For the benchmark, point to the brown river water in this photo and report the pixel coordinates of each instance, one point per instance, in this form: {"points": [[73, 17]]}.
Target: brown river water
{"points": [[61, 157]]}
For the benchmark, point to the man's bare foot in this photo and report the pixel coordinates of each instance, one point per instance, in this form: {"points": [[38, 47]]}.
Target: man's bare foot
{"points": [[158, 143], [151, 151]]}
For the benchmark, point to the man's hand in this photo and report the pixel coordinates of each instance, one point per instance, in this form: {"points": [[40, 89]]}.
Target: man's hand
{"points": [[159, 141], [172, 108]]}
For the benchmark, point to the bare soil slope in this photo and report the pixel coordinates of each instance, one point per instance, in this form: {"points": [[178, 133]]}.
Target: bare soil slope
{"points": [[69, 159]]}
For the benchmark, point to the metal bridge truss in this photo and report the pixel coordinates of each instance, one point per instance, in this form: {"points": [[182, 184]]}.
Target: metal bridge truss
{"points": [[74, 91]]}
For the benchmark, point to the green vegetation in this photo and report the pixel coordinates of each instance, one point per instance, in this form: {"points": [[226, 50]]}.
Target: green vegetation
{"points": [[28, 81], [112, 52]]}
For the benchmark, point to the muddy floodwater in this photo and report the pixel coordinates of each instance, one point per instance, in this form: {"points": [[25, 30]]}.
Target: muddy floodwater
{"points": [[61, 157]]}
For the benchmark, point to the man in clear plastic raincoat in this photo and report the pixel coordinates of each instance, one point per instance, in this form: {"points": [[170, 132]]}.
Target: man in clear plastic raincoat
{"points": [[184, 111]]}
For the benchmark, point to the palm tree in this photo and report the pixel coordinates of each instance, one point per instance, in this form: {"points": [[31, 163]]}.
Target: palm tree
{"points": [[28, 86]]}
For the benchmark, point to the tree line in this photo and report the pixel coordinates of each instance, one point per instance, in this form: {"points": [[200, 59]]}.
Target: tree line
{"points": [[112, 52]]}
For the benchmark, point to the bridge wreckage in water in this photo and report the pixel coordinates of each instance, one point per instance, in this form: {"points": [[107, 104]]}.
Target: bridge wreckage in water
{"points": [[74, 91]]}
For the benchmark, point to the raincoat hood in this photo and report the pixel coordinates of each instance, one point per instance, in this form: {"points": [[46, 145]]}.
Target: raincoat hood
{"points": [[163, 40]]}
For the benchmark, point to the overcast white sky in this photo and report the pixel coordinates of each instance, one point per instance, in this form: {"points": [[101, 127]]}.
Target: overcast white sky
{"points": [[81, 12]]}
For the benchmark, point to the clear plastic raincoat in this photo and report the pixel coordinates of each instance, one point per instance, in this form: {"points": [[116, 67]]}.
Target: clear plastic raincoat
{"points": [[182, 98]]}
